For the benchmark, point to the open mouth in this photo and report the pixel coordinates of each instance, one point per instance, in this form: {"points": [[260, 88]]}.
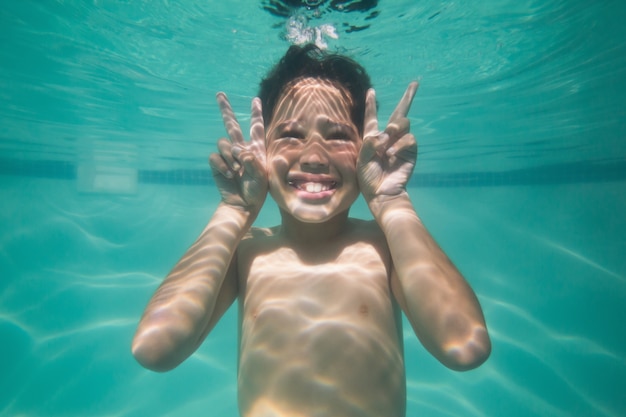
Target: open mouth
{"points": [[313, 186]]}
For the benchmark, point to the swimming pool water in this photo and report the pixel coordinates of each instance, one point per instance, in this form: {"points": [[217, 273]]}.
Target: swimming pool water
{"points": [[107, 117]]}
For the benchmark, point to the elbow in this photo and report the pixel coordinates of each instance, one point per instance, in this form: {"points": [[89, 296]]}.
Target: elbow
{"points": [[470, 354], [153, 355]]}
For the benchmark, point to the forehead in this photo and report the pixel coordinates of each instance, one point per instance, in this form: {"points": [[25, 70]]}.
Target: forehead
{"points": [[308, 95]]}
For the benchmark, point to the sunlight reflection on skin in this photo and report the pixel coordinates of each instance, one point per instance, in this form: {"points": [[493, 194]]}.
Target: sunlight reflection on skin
{"points": [[316, 338], [455, 333], [312, 129], [320, 330], [178, 312]]}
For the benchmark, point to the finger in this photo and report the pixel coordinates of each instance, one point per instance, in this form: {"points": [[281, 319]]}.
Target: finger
{"points": [[251, 164], [219, 166], [403, 154], [257, 129], [368, 149], [228, 152], [372, 146], [398, 128], [403, 107], [370, 122], [405, 148], [230, 121]]}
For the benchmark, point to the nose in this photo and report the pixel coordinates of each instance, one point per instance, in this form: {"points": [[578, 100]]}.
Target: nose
{"points": [[313, 156]]}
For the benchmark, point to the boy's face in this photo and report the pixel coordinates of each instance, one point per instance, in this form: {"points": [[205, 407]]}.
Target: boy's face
{"points": [[312, 150]]}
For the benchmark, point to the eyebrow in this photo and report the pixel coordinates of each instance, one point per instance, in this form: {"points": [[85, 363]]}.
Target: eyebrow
{"points": [[345, 126]]}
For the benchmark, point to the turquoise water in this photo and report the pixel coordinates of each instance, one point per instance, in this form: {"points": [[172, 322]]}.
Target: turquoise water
{"points": [[107, 117]]}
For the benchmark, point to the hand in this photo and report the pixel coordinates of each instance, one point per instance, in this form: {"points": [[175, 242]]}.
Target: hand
{"points": [[387, 158], [239, 167]]}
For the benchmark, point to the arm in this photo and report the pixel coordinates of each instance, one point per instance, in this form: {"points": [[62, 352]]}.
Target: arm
{"points": [[440, 305], [203, 284]]}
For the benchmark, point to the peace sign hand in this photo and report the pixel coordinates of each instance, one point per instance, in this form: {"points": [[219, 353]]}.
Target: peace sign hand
{"points": [[387, 158], [239, 166]]}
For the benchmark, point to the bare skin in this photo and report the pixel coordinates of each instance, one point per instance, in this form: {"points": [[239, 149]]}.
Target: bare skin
{"points": [[321, 295]]}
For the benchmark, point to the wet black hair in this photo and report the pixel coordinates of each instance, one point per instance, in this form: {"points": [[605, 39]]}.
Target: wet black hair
{"points": [[311, 61]]}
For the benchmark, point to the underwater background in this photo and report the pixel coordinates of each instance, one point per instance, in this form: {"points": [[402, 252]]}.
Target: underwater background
{"points": [[107, 117]]}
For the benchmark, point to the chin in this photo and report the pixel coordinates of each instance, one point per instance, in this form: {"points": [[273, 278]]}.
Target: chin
{"points": [[311, 214]]}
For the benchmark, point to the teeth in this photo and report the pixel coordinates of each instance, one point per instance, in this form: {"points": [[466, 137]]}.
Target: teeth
{"points": [[312, 187]]}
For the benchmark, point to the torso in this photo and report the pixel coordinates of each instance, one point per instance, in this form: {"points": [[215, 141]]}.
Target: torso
{"points": [[320, 332]]}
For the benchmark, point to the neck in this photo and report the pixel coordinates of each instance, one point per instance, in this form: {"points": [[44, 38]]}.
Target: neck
{"points": [[304, 233]]}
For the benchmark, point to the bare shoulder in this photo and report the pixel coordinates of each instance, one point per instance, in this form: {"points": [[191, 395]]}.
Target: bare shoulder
{"points": [[368, 231], [261, 232], [366, 226], [266, 239], [258, 239]]}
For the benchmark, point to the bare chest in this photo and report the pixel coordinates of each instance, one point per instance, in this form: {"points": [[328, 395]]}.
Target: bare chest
{"points": [[317, 285], [309, 323]]}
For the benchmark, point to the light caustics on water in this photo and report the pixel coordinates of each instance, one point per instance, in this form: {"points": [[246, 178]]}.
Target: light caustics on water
{"points": [[535, 88]]}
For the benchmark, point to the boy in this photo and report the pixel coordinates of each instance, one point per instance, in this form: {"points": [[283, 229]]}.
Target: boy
{"points": [[320, 295]]}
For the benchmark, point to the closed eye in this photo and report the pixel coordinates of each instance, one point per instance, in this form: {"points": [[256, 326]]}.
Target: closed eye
{"points": [[291, 134], [339, 130], [290, 129], [338, 137], [339, 134]]}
